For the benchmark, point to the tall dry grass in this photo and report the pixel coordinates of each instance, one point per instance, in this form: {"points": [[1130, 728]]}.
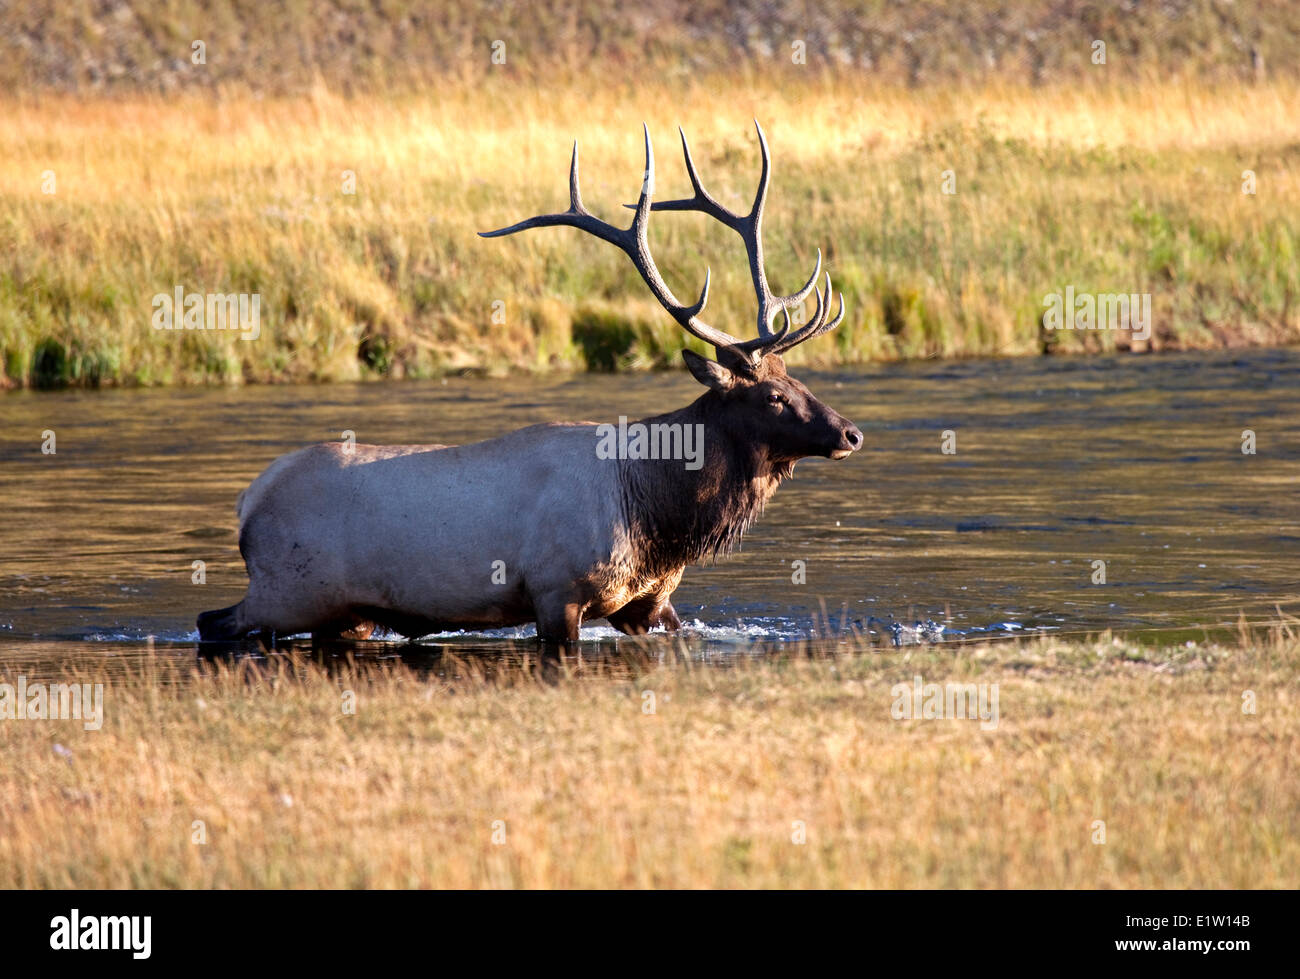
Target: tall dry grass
{"points": [[255, 776], [1106, 188]]}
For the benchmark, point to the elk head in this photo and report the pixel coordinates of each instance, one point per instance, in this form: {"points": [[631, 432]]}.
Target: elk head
{"points": [[753, 396]]}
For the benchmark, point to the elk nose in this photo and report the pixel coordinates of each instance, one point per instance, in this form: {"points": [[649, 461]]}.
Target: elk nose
{"points": [[853, 437]]}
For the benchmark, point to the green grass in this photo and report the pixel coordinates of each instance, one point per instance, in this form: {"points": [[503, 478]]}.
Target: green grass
{"points": [[1113, 189]]}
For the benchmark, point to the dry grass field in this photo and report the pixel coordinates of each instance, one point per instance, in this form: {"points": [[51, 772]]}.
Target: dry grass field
{"points": [[562, 778]]}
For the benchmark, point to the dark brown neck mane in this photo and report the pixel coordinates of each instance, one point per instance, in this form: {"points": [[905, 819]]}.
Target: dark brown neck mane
{"points": [[678, 516]]}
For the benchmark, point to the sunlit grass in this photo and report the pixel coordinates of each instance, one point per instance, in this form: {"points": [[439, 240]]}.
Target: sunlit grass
{"points": [[1110, 189], [584, 787]]}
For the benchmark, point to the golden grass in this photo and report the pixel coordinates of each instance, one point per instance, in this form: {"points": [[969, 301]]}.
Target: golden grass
{"points": [[1107, 188], [708, 791]]}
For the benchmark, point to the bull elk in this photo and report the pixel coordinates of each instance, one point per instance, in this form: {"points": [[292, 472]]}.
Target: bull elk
{"points": [[540, 525]]}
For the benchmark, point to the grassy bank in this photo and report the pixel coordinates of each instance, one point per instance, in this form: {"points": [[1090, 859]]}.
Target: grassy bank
{"points": [[248, 776], [1110, 189]]}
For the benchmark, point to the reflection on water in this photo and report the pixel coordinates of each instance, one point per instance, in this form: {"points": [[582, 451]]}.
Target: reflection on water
{"points": [[1059, 463]]}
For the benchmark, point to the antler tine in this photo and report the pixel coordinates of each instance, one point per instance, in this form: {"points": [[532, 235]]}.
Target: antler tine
{"points": [[750, 229], [633, 241], [702, 201], [575, 195], [818, 324], [576, 216], [797, 298]]}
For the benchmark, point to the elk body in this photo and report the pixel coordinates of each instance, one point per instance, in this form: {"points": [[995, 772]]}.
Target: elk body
{"points": [[544, 524]]}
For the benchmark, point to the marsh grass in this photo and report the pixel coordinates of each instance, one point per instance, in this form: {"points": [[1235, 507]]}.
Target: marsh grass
{"points": [[707, 791], [1134, 188]]}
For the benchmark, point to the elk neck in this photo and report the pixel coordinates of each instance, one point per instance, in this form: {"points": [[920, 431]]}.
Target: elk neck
{"points": [[678, 516]]}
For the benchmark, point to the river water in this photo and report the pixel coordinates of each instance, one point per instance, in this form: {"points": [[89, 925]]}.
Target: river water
{"points": [[1134, 461]]}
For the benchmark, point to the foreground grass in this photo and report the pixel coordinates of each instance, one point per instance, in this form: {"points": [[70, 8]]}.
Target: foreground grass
{"points": [[1109, 189], [583, 788]]}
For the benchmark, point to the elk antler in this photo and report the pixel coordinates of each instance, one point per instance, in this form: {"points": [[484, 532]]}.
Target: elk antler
{"points": [[750, 229], [633, 241]]}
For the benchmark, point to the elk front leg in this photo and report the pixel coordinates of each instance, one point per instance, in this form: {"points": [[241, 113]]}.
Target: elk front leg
{"points": [[667, 617], [638, 617]]}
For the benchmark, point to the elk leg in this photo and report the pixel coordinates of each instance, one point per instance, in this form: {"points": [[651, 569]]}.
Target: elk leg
{"points": [[667, 617], [638, 617], [221, 625], [352, 627], [558, 619]]}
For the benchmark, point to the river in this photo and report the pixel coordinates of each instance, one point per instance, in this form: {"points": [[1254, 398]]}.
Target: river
{"points": [[1058, 463]]}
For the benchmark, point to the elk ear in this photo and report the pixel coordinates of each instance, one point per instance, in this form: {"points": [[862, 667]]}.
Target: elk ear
{"points": [[708, 372]]}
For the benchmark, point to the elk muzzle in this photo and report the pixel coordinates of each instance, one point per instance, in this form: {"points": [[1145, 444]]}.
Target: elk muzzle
{"points": [[850, 440]]}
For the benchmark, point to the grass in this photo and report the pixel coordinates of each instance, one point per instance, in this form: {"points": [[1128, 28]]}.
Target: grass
{"points": [[1133, 188], [584, 788], [281, 48]]}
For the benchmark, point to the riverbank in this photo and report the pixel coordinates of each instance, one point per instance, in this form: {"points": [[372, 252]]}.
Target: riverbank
{"points": [[1094, 763], [352, 221]]}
